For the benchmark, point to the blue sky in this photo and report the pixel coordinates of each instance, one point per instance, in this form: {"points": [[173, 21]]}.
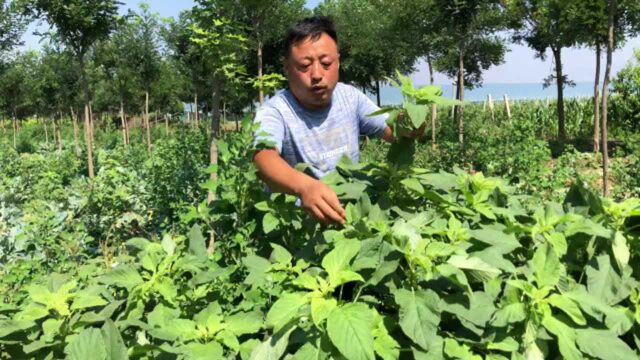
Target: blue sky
{"points": [[520, 65]]}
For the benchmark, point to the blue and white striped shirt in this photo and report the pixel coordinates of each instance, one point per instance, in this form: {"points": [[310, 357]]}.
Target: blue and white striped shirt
{"points": [[318, 138]]}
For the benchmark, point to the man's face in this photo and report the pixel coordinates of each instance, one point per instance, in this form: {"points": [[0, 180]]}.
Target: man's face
{"points": [[312, 69]]}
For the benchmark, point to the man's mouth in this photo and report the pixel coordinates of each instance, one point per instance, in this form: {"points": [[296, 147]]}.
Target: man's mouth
{"points": [[318, 89]]}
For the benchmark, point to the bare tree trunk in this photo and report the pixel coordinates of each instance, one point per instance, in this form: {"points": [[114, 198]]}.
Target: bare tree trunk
{"points": [[15, 130], [596, 104], [461, 97], [434, 107], [88, 139], [92, 122], [46, 131], [58, 131], [378, 92], [75, 131], [261, 91], [146, 120], [123, 122], [605, 97], [562, 133], [216, 97], [166, 125], [197, 115]]}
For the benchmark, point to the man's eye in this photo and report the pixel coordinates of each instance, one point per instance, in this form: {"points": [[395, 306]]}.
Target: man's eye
{"points": [[326, 65], [304, 66]]}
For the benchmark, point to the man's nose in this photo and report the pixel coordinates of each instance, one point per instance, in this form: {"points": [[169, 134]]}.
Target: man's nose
{"points": [[316, 72]]}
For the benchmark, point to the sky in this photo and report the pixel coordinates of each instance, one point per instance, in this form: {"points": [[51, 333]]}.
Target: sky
{"points": [[520, 64]]}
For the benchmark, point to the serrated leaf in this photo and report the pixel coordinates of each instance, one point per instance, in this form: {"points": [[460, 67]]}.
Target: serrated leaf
{"points": [[273, 348], [475, 265], [566, 337], [338, 259], [419, 314], [244, 322], [509, 314], [349, 328], [8, 327], [197, 243]]}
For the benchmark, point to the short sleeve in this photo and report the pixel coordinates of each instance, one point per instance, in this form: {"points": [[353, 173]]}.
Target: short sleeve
{"points": [[270, 131], [369, 125]]}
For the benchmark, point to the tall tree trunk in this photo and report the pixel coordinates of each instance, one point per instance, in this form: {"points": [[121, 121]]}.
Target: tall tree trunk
{"points": [[166, 125], [58, 124], [146, 120], [596, 104], [434, 107], [605, 97], [378, 92], [75, 131], [197, 115], [461, 98], [46, 131], [123, 122], [261, 91], [92, 122], [87, 117], [216, 98], [557, 55], [15, 130]]}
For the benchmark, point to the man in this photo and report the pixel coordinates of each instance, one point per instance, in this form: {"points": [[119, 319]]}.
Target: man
{"points": [[315, 121]]}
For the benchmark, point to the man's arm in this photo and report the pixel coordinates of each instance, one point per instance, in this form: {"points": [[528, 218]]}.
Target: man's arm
{"points": [[317, 199]]}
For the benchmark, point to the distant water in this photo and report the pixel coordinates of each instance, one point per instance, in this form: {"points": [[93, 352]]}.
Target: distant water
{"points": [[521, 91]]}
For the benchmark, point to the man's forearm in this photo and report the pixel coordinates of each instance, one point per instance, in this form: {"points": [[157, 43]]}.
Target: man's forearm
{"points": [[278, 174]]}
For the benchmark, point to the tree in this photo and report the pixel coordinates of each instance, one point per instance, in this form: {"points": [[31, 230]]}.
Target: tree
{"points": [[18, 89], [143, 59], [364, 25], [12, 25], [80, 24], [548, 25], [266, 23], [190, 58], [468, 43]]}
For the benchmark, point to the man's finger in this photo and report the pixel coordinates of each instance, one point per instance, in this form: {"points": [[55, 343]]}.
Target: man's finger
{"points": [[317, 214], [332, 200], [331, 214]]}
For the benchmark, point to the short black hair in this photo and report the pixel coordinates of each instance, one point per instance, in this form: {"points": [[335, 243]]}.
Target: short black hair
{"points": [[312, 27]]}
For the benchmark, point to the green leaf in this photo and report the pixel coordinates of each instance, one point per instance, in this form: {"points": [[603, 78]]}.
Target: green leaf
{"points": [[32, 312], [604, 282], [566, 337], [197, 351], [273, 348], [546, 266], [8, 327], [476, 266], [603, 344], [85, 299], [285, 310], [280, 255], [506, 243], [89, 344], [197, 243], [456, 351], [244, 322], [507, 345], [509, 314], [114, 344], [419, 314], [417, 114], [257, 267], [321, 308], [350, 330], [125, 276], [269, 223], [384, 345], [168, 244], [569, 307], [338, 260], [621, 250]]}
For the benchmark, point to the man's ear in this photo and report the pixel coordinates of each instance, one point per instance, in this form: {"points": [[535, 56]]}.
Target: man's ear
{"points": [[285, 67]]}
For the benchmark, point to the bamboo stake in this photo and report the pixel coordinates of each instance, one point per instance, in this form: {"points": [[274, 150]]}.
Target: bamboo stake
{"points": [[75, 131]]}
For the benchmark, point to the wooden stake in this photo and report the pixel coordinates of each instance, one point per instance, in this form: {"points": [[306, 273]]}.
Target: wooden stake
{"points": [[506, 106]]}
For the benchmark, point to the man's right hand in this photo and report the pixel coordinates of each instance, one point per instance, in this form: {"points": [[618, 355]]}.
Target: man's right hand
{"points": [[318, 199], [321, 202]]}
